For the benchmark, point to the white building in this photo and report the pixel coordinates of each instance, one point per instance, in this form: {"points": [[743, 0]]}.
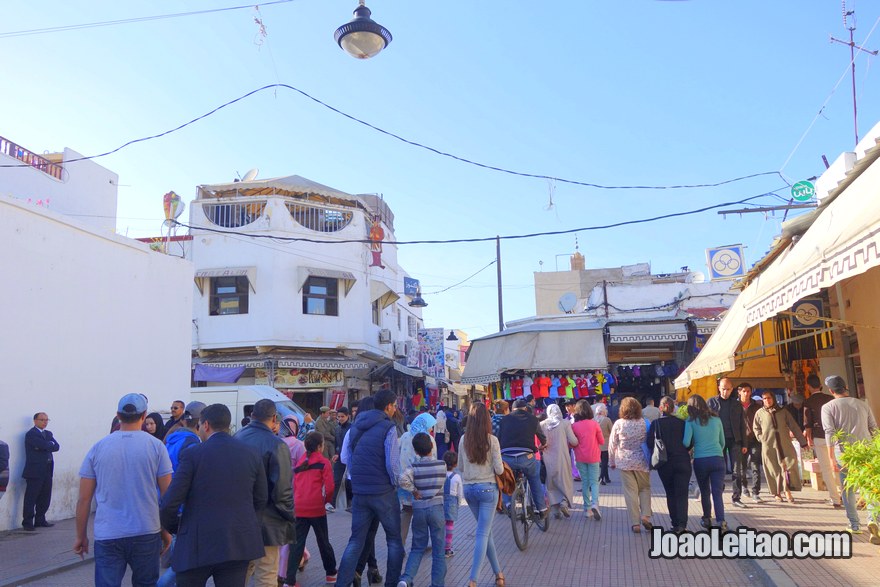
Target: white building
{"points": [[288, 291], [87, 317]]}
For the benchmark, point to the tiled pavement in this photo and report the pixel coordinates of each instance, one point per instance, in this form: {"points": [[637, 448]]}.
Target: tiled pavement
{"points": [[574, 552]]}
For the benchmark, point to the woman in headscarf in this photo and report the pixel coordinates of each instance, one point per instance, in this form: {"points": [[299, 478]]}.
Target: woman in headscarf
{"points": [[774, 427], [557, 460], [441, 434], [424, 422], [600, 411], [154, 426], [297, 450]]}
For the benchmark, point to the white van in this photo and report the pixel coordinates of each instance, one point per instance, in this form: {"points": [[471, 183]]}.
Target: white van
{"points": [[240, 400]]}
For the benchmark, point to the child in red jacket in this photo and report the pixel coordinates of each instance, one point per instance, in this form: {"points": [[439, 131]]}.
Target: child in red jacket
{"points": [[312, 488]]}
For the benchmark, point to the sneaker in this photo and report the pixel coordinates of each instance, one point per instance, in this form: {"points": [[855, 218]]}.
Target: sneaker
{"points": [[874, 531], [402, 583], [331, 579], [757, 498], [854, 530], [747, 493], [565, 511], [706, 523], [450, 553], [329, 508], [596, 515], [739, 504], [374, 576]]}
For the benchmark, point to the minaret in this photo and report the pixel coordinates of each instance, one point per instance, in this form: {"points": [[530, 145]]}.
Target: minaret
{"points": [[578, 263]]}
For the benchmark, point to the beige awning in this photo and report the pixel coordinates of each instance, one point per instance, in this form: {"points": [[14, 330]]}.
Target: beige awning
{"points": [[536, 347], [842, 242], [379, 290], [202, 275], [348, 279], [718, 354]]}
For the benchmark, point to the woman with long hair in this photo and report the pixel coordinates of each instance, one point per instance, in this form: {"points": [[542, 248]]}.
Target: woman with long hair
{"points": [[675, 473], [479, 462], [557, 461], [625, 453], [704, 431], [600, 411], [587, 455], [774, 427], [154, 426]]}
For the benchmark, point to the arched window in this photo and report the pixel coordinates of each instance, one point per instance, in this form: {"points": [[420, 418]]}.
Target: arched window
{"points": [[319, 219], [234, 215]]}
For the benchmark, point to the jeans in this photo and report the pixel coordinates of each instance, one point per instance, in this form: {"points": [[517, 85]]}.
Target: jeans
{"points": [[728, 454], [849, 503], [365, 509], [530, 466], [427, 521], [482, 498], [751, 460], [710, 471], [603, 467], [141, 553], [675, 476], [590, 483], [322, 537]]}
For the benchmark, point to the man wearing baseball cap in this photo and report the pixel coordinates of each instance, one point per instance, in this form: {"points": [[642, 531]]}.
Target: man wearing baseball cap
{"points": [[124, 470], [846, 420]]}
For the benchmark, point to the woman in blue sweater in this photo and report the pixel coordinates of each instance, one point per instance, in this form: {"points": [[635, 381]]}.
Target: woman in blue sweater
{"points": [[703, 429]]}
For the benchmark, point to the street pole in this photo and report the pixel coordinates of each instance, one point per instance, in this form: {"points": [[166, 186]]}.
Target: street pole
{"points": [[498, 271]]}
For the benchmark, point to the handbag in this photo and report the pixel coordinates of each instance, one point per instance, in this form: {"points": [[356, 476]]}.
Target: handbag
{"points": [[658, 458], [506, 484]]}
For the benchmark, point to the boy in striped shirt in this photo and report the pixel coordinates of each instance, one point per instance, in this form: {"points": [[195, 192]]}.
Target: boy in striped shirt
{"points": [[425, 480]]}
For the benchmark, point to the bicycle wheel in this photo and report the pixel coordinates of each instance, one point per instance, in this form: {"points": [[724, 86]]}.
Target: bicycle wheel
{"points": [[543, 523], [519, 519]]}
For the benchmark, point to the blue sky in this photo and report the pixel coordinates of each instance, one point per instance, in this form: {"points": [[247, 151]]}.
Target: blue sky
{"points": [[638, 92]]}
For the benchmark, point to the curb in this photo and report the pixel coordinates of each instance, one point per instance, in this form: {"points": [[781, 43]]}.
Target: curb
{"points": [[31, 577]]}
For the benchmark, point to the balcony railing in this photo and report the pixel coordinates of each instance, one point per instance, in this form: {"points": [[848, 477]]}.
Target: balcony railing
{"points": [[32, 159], [234, 215]]}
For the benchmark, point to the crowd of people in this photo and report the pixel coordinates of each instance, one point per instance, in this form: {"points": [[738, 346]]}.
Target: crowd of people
{"points": [[189, 497]]}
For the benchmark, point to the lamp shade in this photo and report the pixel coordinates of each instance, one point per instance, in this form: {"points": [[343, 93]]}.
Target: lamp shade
{"points": [[418, 302], [362, 37]]}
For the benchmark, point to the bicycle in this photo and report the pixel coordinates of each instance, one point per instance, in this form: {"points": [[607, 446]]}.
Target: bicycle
{"points": [[523, 513]]}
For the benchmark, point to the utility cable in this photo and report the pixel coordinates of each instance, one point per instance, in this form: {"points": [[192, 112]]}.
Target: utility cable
{"points": [[88, 25], [431, 293], [480, 239], [420, 146]]}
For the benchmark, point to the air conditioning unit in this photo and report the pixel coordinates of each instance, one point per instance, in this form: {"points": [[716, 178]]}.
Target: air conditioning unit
{"points": [[400, 349], [384, 336]]}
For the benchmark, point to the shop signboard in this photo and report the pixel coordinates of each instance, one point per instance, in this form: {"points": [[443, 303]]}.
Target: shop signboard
{"points": [[807, 314], [301, 378], [410, 286], [727, 262]]}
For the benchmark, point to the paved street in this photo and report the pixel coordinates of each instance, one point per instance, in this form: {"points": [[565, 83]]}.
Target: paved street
{"points": [[575, 552]]}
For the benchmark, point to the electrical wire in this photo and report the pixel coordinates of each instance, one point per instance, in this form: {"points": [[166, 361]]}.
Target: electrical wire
{"points": [[480, 239], [431, 293], [420, 146], [88, 25]]}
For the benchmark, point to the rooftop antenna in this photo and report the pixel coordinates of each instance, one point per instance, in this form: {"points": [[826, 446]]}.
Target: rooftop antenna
{"points": [[849, 21]]}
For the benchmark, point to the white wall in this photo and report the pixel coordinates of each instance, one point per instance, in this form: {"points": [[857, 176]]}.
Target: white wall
{"points": [[87, 317], [275, 316], [86, 192]]}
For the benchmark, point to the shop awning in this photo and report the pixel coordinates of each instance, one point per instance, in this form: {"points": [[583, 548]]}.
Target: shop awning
{"points": [[537, 346], [379, 290], [203, 275], [316, 361], [348, 279], [717, 356], [648, 333], [459, 389], [843, 241]]}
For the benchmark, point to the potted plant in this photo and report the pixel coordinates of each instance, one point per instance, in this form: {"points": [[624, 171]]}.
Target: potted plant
{"points": [[862, 462]]}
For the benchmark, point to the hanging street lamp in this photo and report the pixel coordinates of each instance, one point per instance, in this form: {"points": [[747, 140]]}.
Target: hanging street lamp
{"points": [[362, 37]]}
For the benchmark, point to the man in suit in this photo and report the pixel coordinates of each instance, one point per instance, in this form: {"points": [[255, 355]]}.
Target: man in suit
{"points": [[39, 467], [222, 488]]}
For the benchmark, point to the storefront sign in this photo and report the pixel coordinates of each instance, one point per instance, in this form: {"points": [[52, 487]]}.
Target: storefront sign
{"points": [[432, 360], [301, 378], [807, 314], [803, 191]]}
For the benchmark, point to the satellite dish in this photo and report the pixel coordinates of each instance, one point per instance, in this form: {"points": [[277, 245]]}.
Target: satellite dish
{"points": [[697, 277], [567, 302], [250, 175]]}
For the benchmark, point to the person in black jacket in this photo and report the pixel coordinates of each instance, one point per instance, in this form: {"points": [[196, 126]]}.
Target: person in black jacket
{"points": [[222, 486], [676, 473], [39, 467], [343, 425], [517, 434], [726, 405], [277, 517]]}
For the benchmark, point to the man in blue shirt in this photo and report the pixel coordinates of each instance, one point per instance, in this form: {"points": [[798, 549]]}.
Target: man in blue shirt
{"points": [[373, 457]]}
